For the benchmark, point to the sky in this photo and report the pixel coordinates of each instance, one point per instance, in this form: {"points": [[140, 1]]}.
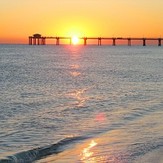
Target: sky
{"points": [[96, 18]]}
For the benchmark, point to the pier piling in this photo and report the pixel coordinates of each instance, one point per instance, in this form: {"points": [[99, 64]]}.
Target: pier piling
{"points": [[129, 41], [144, 42], [159, 42], [114, 43], [99, 41]]}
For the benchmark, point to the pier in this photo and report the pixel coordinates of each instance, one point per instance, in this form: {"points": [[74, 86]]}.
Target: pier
{"points": [[37, 39]]}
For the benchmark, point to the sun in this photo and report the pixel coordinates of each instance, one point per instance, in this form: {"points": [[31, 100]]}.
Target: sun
{"points": [[75, 40]]}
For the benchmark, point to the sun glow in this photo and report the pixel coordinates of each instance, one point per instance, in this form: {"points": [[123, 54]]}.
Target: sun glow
{"points": [[75, 40]]}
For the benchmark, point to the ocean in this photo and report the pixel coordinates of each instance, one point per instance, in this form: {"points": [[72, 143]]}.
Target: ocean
{"points": [[81, 104]]}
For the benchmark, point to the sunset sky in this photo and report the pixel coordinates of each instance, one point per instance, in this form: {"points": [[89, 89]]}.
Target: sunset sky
{"points": [[122, 18]]}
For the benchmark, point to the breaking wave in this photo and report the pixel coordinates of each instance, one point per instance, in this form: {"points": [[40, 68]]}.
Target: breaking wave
{"points": [[41, 152]]}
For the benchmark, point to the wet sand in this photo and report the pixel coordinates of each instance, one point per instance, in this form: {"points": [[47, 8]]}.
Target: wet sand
{"points": [[152, 157]]}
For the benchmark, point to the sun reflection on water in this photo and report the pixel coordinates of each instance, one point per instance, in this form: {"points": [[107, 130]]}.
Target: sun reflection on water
{"points": [[74, 70], [75, 73], [75, 52], [86, 152], [79, 96], [74, 66]]}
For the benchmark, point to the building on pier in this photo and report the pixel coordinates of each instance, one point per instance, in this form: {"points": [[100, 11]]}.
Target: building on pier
{"points": [[37, 39]]}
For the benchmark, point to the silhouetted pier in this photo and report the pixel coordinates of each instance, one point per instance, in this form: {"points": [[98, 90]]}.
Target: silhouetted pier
{"points": [[37, 39]]}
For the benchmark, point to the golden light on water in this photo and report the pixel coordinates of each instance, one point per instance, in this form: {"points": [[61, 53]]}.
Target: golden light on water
{"points": [[87, 152]]}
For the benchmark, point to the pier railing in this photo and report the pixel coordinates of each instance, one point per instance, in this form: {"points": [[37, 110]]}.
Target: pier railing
{"points": [[37, 39]]}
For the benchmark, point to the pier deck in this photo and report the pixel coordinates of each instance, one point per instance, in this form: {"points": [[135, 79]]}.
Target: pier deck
{"points": [[37, 39]]}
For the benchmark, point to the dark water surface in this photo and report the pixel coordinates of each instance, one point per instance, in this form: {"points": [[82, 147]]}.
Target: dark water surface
{"points": [[81, 104]]}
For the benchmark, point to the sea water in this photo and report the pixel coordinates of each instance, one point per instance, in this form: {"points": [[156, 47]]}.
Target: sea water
{"points": [[88, 104]]}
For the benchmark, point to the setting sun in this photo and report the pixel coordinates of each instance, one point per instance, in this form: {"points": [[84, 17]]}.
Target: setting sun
{"points": [[75, 40]]}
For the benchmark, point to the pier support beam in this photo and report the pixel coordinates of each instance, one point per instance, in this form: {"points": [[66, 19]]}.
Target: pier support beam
{"points": [[34, 41], [43, 41], [38, 41], [57, 40], [144, 42], [99, 41], [85, 40], [159, 42], [30, 40], [114, 41], [129, 41]]}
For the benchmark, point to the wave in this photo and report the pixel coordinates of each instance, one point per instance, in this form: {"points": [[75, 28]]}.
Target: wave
{"points": [[135, 150], [41, 152]]}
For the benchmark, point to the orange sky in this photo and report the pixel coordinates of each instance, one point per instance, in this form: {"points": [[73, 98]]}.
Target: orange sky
{"points": [[121, 18]]}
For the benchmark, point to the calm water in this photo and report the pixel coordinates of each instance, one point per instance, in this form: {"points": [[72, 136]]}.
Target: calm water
{"points": [[90, 104]]}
